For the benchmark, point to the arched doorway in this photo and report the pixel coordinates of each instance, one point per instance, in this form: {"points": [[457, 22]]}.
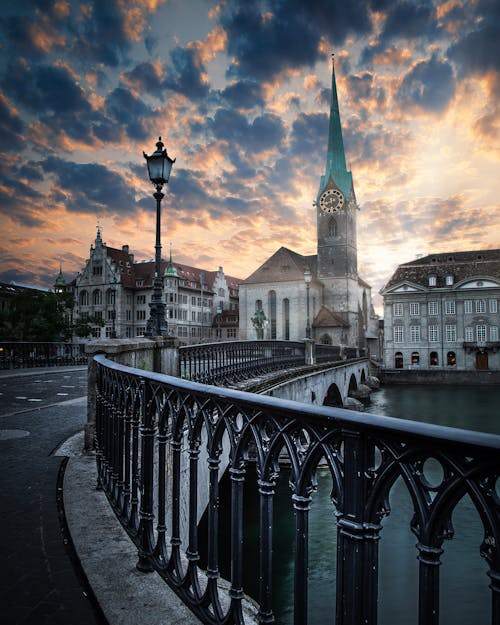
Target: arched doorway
{"points": [[451, 359], [415, 358], [333, 397], [482, 360], [398, 360], [433, 359]]}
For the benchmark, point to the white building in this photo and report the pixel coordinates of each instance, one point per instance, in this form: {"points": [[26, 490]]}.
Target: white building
{"points": [[441, 311]]}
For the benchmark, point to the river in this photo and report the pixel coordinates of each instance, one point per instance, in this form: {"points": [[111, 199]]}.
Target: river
{"points": [[465, 596]]}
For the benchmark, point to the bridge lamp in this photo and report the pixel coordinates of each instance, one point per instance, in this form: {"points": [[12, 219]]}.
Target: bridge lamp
{"points": [[159, 167], [307, 280]]}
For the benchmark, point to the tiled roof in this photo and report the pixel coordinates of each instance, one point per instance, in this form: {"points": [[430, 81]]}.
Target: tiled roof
{"points": [[145, 271], [462, 265], [326, 318], [283, 266]]}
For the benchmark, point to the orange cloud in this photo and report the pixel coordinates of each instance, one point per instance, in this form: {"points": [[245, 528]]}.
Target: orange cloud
{"points": [[43, 35]]}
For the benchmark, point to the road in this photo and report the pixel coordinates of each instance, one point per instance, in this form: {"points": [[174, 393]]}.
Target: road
{"points": [[34, 389], [40, 580]]}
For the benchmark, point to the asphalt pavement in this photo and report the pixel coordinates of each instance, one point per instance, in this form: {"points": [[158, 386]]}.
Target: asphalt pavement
{"points": [[39, 582], [65, 557]]}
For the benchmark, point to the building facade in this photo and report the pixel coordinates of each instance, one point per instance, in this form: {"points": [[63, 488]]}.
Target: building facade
{"points": [[335, 303], [442, 311], [115, 290]]}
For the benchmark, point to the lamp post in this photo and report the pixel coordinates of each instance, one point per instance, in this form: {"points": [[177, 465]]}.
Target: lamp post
{"points": [[159, 167], [307, 280]]}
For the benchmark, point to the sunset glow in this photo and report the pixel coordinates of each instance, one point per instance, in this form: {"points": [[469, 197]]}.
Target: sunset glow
{"points": [[239, 91]]}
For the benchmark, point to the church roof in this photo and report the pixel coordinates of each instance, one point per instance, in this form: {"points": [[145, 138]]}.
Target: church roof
{"points": [[326, 318], [461, 265], [285, 265]]}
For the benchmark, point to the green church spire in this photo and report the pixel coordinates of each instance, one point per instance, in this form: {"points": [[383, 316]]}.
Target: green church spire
{"points": [[335, 159]]}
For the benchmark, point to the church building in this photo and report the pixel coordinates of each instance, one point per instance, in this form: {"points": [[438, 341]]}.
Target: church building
{"points": [[321, 296]]}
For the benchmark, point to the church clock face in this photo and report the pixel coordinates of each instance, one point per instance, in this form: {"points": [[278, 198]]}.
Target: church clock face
{"points": [[331, 201]]}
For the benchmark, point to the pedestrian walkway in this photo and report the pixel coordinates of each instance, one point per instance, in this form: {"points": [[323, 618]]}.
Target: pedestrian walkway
{"points": [[108, 556], [17, 373]]}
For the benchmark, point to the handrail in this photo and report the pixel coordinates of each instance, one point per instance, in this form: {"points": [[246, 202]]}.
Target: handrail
{"points": [[232, 361], [141, 414], [25, 354]]}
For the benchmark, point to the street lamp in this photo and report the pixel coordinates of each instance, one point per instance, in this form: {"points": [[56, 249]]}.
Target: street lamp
{"points": [[307, 280], [159, 167]]}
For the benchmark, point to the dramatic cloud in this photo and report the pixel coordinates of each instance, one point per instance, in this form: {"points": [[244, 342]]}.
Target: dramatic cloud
{"points": [[240, 92], [429, 85]]}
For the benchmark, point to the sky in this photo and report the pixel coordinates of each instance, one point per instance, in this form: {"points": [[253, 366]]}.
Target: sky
{"points": [[239, 92]]}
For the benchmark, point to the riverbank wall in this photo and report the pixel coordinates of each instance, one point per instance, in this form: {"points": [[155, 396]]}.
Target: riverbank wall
{"points": [[437, 376]]}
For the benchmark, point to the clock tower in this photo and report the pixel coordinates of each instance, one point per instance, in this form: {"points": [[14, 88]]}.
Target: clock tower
{"points": [[336, 222]]}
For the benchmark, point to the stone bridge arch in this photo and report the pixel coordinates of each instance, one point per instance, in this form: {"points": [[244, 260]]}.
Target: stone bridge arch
{"points": [[333, 397], [353, 384], [329, 387]]}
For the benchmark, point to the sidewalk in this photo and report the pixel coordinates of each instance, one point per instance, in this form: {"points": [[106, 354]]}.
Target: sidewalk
{"points": [[19, 373], [108, 556]]}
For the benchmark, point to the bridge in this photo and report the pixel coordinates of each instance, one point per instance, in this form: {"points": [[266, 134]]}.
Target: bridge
{"points": [[162, 440]]}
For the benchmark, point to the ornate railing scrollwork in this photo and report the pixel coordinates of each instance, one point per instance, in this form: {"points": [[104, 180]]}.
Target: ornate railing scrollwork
{"points": [[163, 443]]}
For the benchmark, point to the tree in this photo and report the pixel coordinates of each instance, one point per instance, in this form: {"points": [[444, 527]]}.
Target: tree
{"points": [[42, 316], [85, 326]]}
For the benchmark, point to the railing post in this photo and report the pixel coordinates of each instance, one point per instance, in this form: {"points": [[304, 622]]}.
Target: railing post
{"points": [[495, 595], [266, 491], [428, 592], [301, 506], [146, 516], [236, 591], [357, 537]]}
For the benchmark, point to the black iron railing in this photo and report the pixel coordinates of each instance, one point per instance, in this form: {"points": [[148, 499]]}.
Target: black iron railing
{"points": [[224, 363], [163, 442], [23, 354]]}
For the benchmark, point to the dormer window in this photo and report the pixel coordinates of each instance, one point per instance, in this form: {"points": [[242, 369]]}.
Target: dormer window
{"points": [[432, 279], [449, 279]]}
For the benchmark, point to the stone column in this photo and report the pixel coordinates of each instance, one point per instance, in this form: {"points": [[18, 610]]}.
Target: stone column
{"points": [[310, 355], [160, 355]]}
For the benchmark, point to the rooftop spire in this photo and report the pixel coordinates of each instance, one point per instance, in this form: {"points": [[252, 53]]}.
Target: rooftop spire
{"points": [[335, 158]]}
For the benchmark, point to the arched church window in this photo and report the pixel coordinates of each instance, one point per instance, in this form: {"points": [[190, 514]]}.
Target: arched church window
{"points": [[97, 298], [286, 319], [110, 297], [332, 228], [326, 339], [272, 313], [84, 298]]}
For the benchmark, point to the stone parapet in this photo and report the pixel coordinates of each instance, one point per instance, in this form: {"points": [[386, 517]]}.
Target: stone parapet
{"points": [[438, 376], [159, 354]]}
